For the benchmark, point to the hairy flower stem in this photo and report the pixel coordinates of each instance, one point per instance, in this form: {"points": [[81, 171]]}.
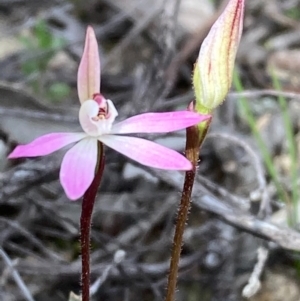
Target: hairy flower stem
{"points": [[194, 139], [85, 225]]}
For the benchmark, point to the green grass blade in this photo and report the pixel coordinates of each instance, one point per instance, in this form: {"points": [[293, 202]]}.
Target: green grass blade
{"points": [[267, 158]]}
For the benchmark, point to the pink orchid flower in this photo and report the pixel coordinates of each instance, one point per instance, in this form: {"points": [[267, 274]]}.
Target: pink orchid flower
{"points": [[96, 117]]}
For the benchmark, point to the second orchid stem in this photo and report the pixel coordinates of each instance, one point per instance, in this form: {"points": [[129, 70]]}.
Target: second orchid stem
{"points": [[85, 225], [194, 139]]}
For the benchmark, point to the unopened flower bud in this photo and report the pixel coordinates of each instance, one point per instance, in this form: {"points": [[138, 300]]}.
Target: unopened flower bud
{"points": [[214, 67]]}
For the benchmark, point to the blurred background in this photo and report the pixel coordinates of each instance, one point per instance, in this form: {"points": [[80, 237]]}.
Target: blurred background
{"points": [[242, 240]]}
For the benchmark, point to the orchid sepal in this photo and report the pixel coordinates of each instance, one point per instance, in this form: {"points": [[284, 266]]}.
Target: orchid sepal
{"points": [[88, 76], [158, 122]]}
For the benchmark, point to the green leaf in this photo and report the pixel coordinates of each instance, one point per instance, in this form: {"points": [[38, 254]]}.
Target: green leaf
{"points": [[59, 91], [43, 35]]}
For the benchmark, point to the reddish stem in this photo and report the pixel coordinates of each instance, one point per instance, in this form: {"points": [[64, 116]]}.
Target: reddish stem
{"points": [[194, 140], [85, 226]]}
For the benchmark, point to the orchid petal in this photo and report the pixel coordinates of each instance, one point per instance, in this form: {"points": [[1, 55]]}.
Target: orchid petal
{"points": [[112, 111], [147, 152], [158, 122], [78, 168], [88, 78], [88, 110], [45, 145]]}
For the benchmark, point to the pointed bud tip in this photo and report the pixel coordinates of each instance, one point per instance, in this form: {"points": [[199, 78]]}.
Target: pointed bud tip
{"points": [[90, 33]]}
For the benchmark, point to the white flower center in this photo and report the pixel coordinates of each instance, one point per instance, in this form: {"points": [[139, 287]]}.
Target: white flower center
{"points": [[96, 116]]}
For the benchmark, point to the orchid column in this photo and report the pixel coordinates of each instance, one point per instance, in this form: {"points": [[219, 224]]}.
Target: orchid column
{"points": [[212, 80]]}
